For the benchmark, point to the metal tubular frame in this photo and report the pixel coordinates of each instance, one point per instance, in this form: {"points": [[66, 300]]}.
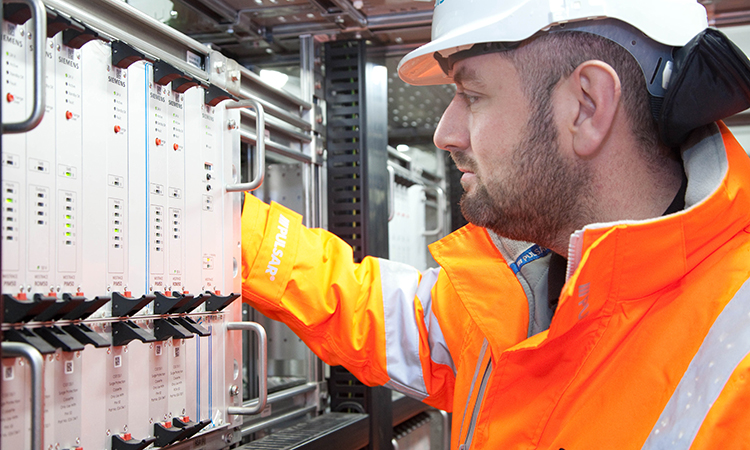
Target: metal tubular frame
{"points": [[36, 362]]}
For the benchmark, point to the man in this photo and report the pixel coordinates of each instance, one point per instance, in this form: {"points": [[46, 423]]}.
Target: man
{"points": [[553, 125]]}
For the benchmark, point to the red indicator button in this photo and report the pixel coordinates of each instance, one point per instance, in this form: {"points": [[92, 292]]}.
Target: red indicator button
{"points": [[185, 419], [217, 292], [127, 437], [22, 296], [68, 115], [158, 141], [52, 294], [9, 97], [176, 147], [117, 128], [127, 294]]}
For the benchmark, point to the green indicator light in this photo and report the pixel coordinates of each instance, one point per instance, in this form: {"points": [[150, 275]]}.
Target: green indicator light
{"points": [[67, 174], [68, 217], [67, 225], [9, 200], [68, 234], [117, 230]]}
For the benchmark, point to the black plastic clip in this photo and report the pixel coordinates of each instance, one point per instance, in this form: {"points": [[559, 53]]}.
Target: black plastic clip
{"points": [[168, 305], [183, 84], [215, 95], [194, 427], [192, 326], [28, 337], [120, 443], [86, 335], [16, 13], [58, 338], [85, 308], [123, 55], [165, 73], [22, 310], [125, 331], [57, 23], [217, 302], [166, 328], [166, 436], [192, 304], [76, 39], [125, 306], [59, 308]]}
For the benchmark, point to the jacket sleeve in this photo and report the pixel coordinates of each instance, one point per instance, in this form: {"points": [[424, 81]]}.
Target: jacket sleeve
{"points": [[374, 318]]}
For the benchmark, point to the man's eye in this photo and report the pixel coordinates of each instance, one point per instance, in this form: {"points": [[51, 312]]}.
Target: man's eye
{"points": [[467, 98]]}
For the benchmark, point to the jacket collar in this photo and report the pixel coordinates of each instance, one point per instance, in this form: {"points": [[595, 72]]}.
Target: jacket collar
{"points": [[634, 259]]}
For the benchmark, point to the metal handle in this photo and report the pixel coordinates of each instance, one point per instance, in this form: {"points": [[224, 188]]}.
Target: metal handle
{"points": [[440, 212], [391, 193], [262, 373], [36, 363], [39, 21], [446, 429], [260, 141]]}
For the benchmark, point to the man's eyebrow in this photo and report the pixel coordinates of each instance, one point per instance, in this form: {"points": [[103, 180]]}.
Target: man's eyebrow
{"points": [[466, 75]]}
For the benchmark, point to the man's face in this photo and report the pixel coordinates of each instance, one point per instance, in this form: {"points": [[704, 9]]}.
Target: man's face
{"points": [[516, 180]]}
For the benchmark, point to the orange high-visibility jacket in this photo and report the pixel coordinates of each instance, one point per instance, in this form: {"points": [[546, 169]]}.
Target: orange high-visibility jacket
{"points": [[648, 347]]}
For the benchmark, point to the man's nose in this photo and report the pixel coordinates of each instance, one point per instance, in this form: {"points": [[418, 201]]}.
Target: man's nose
{"points": [[451, 132]]}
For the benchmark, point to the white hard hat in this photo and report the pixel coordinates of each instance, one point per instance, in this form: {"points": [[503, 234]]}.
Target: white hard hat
{"points": [[459, 24]]}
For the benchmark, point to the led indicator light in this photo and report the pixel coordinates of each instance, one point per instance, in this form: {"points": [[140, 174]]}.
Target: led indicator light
{"points": [[68, 216], [67, 225]]}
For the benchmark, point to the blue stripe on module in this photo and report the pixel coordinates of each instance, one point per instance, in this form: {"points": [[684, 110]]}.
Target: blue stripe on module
{"points": [[530, 255], [147, 70], [210, 375]]}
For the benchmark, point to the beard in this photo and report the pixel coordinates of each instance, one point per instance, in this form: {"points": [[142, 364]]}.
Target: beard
{"points": [[543, 197]]}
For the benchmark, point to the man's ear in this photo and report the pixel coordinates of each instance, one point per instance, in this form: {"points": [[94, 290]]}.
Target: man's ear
{"points": [[594, 94]]}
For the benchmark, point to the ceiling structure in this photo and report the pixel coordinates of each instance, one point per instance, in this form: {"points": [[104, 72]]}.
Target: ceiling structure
{"points": [[265, 33]]}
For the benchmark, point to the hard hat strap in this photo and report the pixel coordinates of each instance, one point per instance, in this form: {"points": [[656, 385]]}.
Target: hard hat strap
{"points": [[655, 59]]}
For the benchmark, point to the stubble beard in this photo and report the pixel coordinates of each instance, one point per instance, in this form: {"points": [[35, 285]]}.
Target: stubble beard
{"points": [[543, 197]]}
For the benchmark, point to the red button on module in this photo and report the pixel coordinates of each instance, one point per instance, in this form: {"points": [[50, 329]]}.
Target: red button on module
{"points": [[176, 147], [68, 115], [117, 128], [158, 142], [9, 97]]}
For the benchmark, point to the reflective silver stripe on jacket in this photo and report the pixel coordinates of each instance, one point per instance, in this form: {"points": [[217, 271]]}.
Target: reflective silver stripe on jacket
{"points": [[401, 284], [438, 348], [725, 346], [477, 406], [474, 381]]}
